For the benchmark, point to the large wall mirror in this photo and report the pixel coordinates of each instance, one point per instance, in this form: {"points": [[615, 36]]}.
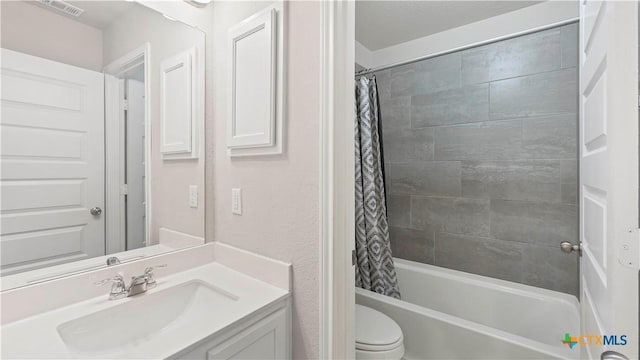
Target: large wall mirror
{"points": [[102, 135]]}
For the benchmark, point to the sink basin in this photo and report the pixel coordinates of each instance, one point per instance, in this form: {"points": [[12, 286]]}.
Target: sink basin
{"points": [[139, 318]]}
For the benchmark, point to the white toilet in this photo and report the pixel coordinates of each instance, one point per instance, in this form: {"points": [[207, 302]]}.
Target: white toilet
{"points": [[377, 335]]}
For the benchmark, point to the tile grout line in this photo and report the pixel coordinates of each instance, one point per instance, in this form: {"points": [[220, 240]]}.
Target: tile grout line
{"points": [[516, 118]]}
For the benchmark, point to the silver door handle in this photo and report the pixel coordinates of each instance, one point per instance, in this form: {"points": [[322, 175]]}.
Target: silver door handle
{"points": [[95, 211], [568, 247]]}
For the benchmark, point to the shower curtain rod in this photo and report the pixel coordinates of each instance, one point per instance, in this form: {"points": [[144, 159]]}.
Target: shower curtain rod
{"points": [[465, 47]]}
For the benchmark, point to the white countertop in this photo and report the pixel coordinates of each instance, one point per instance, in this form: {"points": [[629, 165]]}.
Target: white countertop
{"points": [[37, 336]]}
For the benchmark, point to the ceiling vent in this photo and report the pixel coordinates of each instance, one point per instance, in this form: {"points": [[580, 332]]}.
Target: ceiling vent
{"points": [[63, 6]]}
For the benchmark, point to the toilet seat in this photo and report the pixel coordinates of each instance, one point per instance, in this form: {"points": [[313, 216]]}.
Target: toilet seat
{"points": [[377, 335], [375, 348]]}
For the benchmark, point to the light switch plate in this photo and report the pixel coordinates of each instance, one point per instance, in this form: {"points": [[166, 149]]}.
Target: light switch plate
{"points": [[236, 201], [193, 196]]}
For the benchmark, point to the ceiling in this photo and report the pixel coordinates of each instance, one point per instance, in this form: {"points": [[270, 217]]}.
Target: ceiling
{"points": [[98, 14], [380, 24]]}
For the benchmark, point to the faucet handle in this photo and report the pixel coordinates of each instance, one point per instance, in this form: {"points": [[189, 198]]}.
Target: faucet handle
{"points": [[149, 269], [115, 279], [118, 287], [148, 272]]}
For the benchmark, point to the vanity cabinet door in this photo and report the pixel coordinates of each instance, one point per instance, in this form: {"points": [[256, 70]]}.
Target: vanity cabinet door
{"points": [[266, 339]]}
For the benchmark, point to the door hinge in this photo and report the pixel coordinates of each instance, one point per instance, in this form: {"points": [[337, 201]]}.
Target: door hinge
{"points": [[353, 257], [628, 248], [124, 189], [125, 104]]}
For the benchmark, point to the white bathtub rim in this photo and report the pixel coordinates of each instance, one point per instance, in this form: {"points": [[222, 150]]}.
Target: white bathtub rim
{"points": [[514, 339], [503, 285]]}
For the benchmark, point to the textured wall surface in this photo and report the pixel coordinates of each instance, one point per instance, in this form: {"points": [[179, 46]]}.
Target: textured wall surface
{"points": [[481, 163], [280, 194]]}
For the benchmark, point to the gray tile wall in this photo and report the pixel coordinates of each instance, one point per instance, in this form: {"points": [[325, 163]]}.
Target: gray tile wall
{"points": [[481, 158]]}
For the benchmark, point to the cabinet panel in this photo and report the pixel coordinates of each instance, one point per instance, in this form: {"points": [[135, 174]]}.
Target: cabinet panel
{"points": [[266, 335], [256, 84], [267, 339], [262, 348], [252, 75], [178, 101]]}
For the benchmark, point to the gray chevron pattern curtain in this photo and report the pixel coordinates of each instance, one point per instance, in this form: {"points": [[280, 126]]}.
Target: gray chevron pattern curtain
{"points": [[374, 268]]}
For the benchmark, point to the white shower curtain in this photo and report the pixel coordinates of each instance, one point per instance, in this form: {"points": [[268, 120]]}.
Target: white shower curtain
{"points": [[375, 270]]}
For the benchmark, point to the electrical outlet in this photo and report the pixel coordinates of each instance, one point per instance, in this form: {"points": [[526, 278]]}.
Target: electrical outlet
{"points": [[236, 201], [193, 196]]}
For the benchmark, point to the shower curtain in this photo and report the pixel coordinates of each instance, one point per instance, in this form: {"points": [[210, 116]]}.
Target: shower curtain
{"points": [[374, 265]]}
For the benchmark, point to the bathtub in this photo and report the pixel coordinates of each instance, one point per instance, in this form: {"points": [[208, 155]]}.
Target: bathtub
{"points": [[448, 314]]}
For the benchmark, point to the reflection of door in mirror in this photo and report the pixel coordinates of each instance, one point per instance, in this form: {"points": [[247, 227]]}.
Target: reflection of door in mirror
{"points": [[53, 156], [135, 161], [126, 156], [52, 162], [82, 177]]}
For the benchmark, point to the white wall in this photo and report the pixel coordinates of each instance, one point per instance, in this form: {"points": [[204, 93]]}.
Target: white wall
{"points": [[35, 31], [170, 180], [364, 56], [280, 193], [501, 26]]}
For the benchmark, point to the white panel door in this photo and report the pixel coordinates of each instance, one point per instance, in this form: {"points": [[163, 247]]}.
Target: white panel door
{"points": [[52, 158], [609, 177], [135, 128]]}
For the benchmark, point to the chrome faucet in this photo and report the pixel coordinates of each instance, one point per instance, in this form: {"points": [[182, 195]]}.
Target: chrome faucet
{"points": [[118, 287], [139, 284]]}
